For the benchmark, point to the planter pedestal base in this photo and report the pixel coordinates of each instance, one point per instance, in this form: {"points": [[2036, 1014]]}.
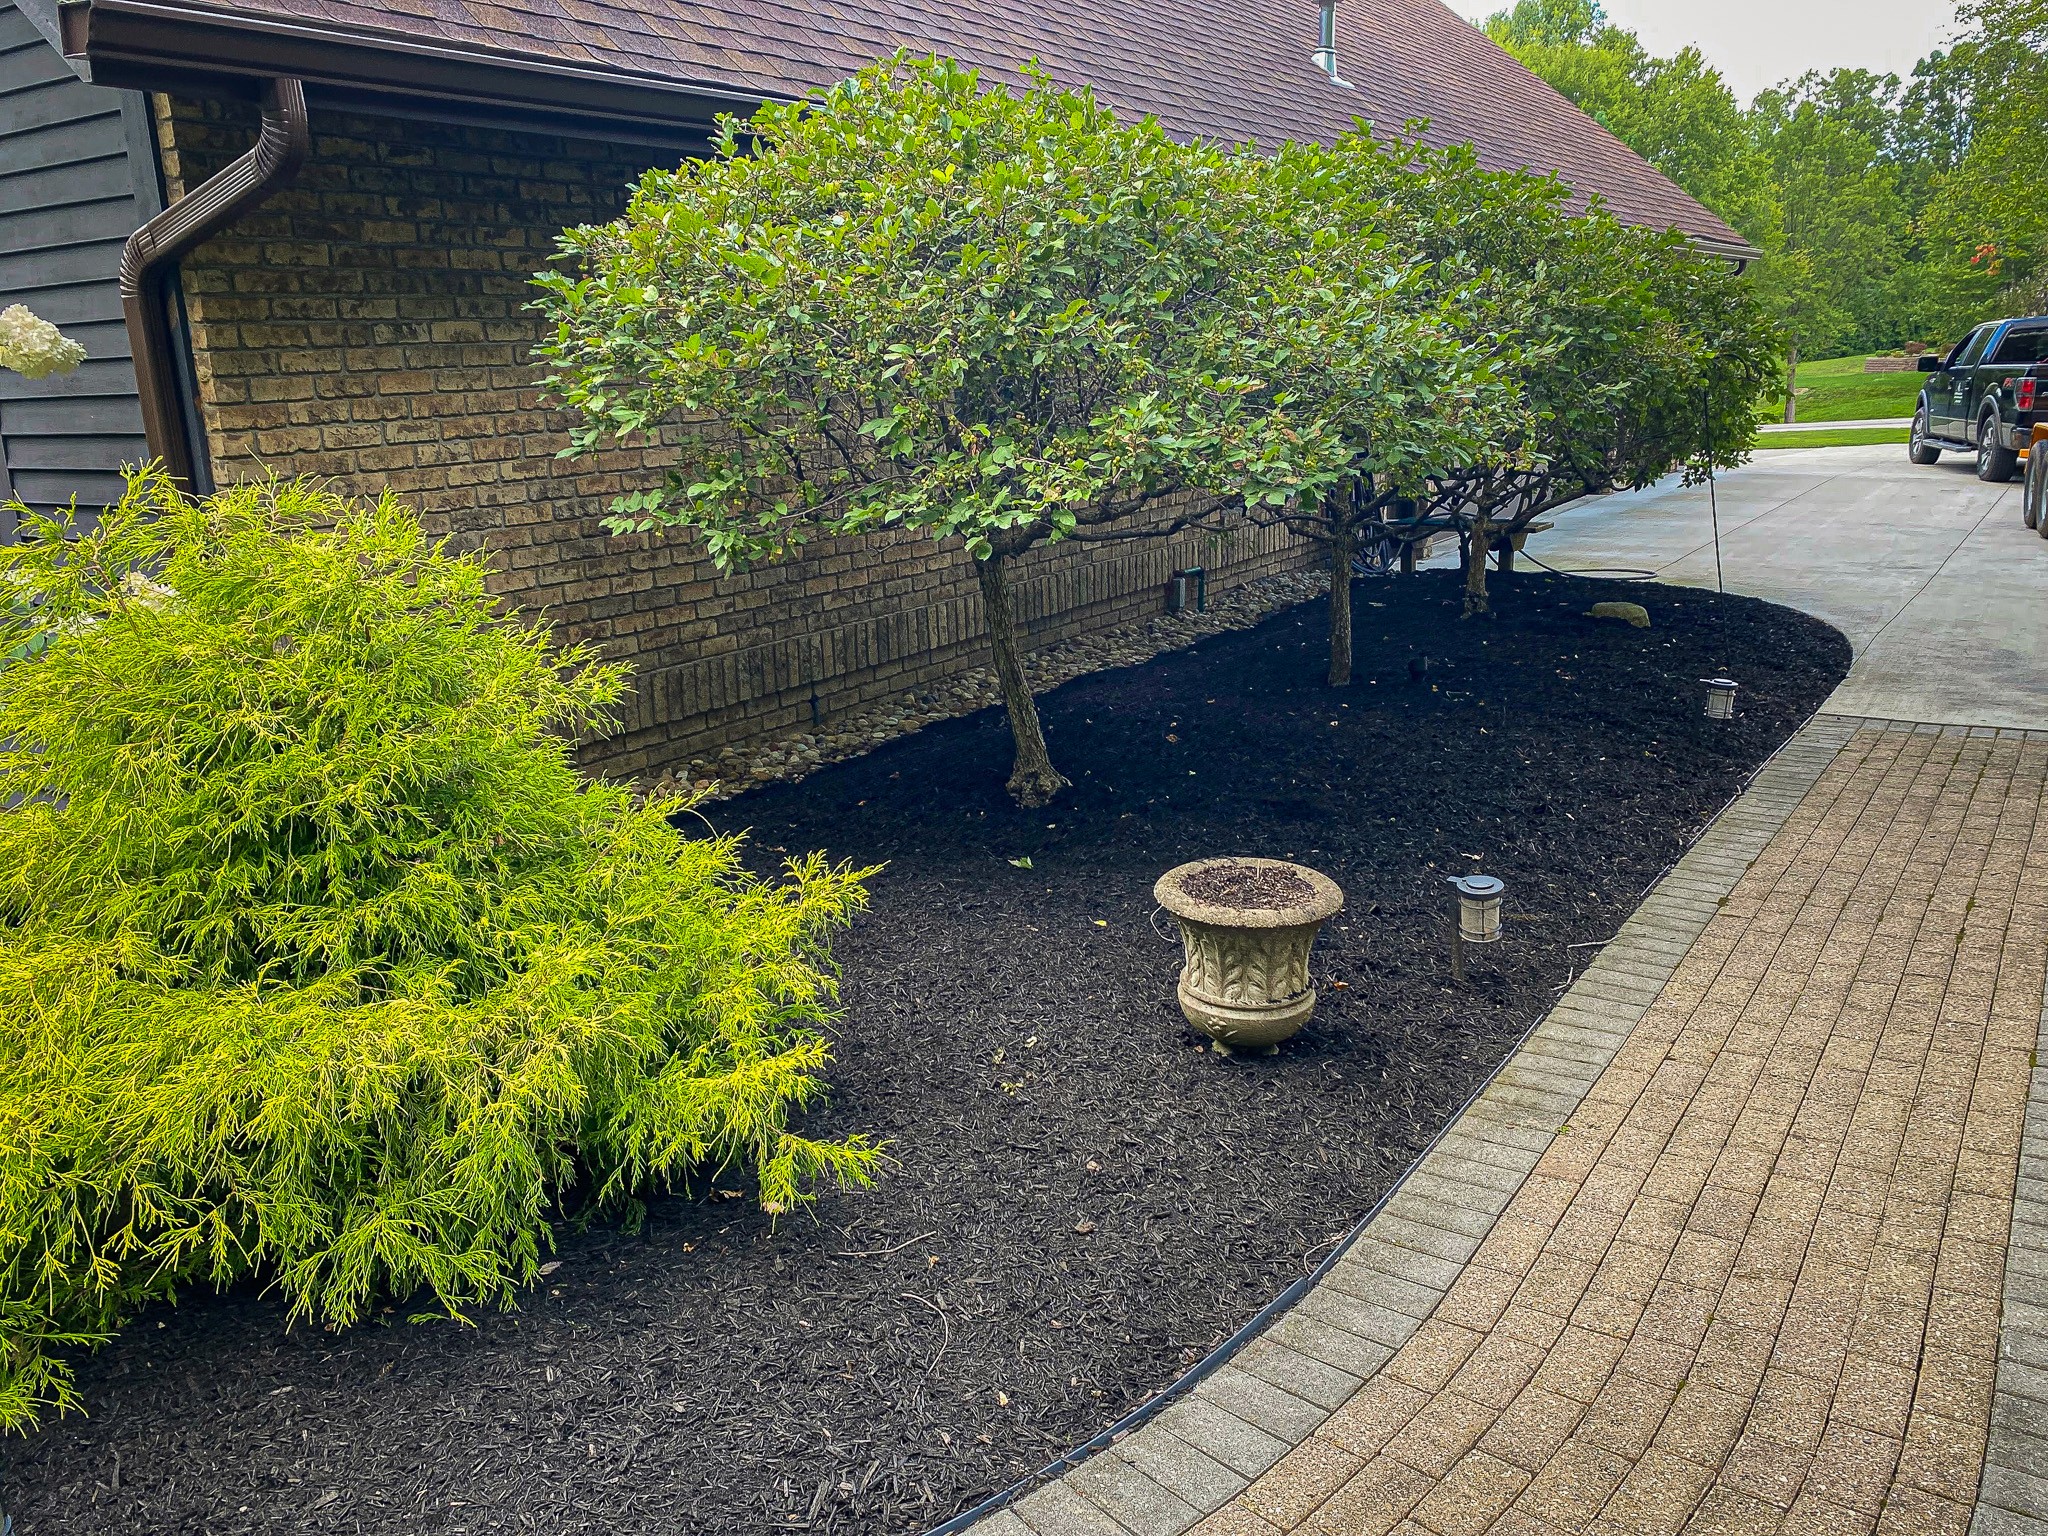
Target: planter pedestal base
{"points": [[1258, 1028]]}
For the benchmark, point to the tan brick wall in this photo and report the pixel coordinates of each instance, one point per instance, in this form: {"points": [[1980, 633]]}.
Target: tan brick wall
{"points": [[368, 324]]}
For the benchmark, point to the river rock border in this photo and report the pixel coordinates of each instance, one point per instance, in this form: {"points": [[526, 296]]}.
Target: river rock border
{"points": [[738, 769]]}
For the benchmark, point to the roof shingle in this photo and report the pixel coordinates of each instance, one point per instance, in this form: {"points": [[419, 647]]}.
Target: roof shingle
{"points": [[1234, 70]]}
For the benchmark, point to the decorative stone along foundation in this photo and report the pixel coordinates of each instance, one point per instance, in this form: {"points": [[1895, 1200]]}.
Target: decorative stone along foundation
{"points": [[736, 769], [368, 325]]}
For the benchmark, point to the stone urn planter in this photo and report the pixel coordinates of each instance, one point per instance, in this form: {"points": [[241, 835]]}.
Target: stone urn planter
{"points": [[1247, 925]]}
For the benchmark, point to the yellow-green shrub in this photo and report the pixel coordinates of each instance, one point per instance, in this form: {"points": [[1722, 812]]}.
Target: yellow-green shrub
{"points": [[318, 960]]}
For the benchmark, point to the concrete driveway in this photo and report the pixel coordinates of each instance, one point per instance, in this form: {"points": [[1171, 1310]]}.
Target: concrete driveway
{"points": [[1929, 572]]}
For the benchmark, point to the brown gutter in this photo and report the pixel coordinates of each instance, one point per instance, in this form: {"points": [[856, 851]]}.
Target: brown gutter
{"points": [[153, 252], [198, 48]]}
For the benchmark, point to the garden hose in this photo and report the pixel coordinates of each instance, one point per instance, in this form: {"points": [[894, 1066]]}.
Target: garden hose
{"points": [[1602, 572]]}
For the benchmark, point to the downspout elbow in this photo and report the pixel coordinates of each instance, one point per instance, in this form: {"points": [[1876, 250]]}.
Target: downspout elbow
{"points": [[153, 252]]}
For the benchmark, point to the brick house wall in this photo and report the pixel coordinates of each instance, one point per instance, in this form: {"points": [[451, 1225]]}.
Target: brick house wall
{"points": [[368, 325]]}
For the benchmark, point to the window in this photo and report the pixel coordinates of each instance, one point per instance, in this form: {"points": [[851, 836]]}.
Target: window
{"points": [[2023, 345], [1974, 347]]}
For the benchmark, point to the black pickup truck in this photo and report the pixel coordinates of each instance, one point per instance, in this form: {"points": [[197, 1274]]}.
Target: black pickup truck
{"points": [[1985, 396]]}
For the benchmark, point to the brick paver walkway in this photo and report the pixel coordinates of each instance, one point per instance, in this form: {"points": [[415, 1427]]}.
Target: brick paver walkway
{"points": [[1733, 1264]]}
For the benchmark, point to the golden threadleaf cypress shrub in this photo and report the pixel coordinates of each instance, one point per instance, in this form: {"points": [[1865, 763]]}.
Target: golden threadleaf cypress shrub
{"points": [[319, 961]]}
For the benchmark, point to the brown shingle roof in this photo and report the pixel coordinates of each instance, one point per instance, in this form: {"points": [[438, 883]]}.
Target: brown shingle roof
{"points": [[1225, 69]]}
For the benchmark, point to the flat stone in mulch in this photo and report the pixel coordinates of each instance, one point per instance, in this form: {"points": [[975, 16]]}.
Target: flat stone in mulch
{"points": [[1082, 1200]]}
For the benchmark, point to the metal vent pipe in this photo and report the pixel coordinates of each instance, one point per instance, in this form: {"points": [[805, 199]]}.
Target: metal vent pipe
{"points": [[1326, 47]]}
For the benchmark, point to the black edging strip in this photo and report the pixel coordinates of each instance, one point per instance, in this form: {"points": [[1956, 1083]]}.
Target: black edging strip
{"points": [[1220, 1356]]}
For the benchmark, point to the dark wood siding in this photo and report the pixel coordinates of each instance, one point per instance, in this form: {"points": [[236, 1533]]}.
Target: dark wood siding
{"points": [[76, 177]]}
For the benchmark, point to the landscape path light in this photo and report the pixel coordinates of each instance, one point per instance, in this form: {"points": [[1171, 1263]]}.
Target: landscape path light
{"points": [[1720, 697], [1479, 904]]}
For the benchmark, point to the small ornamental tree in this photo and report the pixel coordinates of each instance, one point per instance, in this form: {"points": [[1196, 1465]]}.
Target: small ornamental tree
{"points": [[916, 304], [1644, 355], [1629, 351], [1379, 341]]}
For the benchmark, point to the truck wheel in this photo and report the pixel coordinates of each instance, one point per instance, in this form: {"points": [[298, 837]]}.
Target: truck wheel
{"points": [[2030, 492], [1995, 465], [1918, 449]]}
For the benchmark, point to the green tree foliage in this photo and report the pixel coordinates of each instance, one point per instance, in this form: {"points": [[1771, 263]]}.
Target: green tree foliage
{"points": [[319, 962], [1986, 106], [1635, 353], [1372, 334], [1594, 355], [1003, 317], [1846, 226], [1886, 211], [916, 304], [1625, 349]]}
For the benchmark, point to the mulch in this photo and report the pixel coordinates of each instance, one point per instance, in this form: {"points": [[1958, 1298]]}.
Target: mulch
{"points": [[1247, 887], [1081, 1201]]}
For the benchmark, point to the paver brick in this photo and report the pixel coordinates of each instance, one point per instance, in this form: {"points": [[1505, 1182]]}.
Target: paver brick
{"points": [[1302, 1481], [1130, 1498], [1193, 1475], [1356, 1274], [1375, 1415], [1317, 1340], [1302, 1376], [1058, 1510], [2020, 1492], [1261, 1404], [1372, 1503], [1235, 1520], [1244, 1448], [1443, 1430]]}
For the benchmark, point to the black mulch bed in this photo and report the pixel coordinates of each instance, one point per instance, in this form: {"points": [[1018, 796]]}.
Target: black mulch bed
{"points": [[1083, 1202]]}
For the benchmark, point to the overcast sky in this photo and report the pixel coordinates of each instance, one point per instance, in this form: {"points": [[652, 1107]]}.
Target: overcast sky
{"points": [[1757, 43]]}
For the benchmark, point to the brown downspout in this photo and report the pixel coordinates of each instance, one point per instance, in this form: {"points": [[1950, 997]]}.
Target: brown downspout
{"points": [[154, 250]]}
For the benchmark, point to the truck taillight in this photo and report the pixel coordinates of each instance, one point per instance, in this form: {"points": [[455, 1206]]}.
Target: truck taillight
{"points": [[2023, 394]]}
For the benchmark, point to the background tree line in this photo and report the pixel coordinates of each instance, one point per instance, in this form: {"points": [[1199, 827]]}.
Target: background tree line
{"points": [[1889, 211]]}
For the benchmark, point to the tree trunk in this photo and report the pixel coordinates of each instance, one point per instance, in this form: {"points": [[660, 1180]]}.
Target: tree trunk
{"points": [[1034, 780], [1475, 567], [1342, 542], [1792, 384], [1507, 556], [1408, 557]]}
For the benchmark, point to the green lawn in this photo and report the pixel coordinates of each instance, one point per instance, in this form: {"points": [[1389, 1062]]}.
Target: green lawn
{"points": [[1839, 437], [1837, 389]]}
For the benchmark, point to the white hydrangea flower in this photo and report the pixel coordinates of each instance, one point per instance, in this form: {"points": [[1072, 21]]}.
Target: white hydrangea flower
{"points": [[34, 348], [144, 593]]}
